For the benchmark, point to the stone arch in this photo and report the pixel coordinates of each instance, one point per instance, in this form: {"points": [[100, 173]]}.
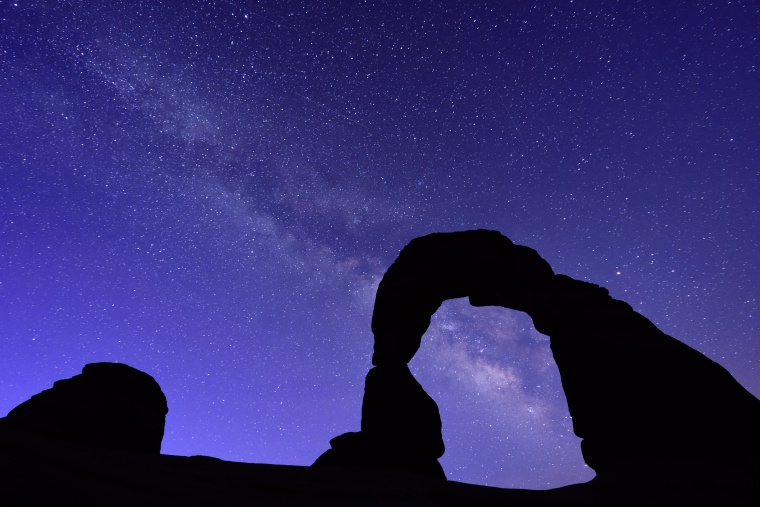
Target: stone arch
{"points": [[639, 398]]}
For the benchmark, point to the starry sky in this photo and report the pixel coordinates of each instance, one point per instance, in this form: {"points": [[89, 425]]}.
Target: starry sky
{"points": [[211, 192]]}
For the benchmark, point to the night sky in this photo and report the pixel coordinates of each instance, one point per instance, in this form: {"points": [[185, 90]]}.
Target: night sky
{"points": [[211, 192]]}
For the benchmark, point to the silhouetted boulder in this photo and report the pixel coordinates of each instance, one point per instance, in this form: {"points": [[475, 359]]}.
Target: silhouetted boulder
{"points": [[108, 405], [640, 400], [400, 427]]}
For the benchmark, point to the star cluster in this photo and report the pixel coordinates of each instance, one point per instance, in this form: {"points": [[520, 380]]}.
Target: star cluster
{"points": [[211, 192]]}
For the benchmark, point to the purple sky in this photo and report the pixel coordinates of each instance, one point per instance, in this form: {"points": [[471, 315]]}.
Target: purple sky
{"points": [[211, 191]]}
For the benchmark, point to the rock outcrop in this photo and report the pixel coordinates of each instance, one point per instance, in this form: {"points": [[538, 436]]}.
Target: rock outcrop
{"points": [[637, 395], [108, 405], [660, 422], [640, 399], [400, 427]]}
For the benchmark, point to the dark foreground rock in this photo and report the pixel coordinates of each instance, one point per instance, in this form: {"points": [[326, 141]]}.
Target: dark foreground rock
{"points": [[647, 406], [108, 405], [639, 395], [400, 427], [660, 422], [40, 471]]}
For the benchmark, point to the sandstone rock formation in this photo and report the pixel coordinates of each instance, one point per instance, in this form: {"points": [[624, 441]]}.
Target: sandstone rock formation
{"points": [[638, 395], [108, 405], [640, 400], [400, 427], [660, 422]]}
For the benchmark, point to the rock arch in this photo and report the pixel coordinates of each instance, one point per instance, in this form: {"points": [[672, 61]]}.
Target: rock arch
{"points": [[641, 400]]}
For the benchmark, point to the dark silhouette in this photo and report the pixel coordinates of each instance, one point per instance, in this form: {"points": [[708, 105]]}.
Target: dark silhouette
{"points": [[642, 401], [109, 405], [400, 428], [483, 265], [660, 422]]}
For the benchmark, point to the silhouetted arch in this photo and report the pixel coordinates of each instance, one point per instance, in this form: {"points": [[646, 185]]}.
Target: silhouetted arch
{"points": [[637, 396]]}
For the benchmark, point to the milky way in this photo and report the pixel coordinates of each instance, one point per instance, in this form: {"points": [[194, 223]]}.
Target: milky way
{"points": [[211, 192]]}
